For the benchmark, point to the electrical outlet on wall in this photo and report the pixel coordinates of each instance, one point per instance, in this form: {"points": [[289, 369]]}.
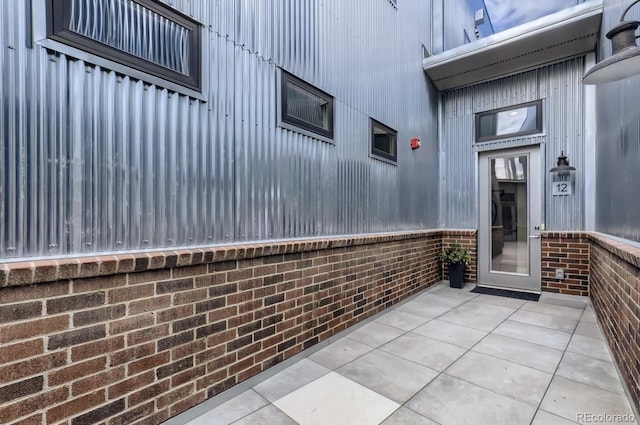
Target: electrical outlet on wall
{"points": [[559, 274]]}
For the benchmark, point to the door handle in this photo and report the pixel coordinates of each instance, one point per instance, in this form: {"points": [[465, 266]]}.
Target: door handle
{"points": [[534, 236]]}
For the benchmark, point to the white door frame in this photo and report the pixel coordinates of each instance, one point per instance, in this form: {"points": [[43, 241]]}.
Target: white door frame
{"points": [[528, 280]]}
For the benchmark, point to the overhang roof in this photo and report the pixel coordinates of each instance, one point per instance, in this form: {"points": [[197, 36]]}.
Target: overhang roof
{"points": [[563, 34]]}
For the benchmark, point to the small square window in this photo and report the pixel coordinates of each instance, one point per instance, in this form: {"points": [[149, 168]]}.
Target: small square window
{"points": [[145, 35], [383, 142], [305, 107]]}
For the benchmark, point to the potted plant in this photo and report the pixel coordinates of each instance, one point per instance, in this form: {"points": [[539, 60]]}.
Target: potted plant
{"points": [[456, 257]]}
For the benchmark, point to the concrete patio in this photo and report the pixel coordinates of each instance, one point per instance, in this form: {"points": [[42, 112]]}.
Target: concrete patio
{"points": [[446, 356]]}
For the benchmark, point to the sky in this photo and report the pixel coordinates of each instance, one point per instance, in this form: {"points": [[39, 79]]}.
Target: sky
{"points": [[505, 14]]}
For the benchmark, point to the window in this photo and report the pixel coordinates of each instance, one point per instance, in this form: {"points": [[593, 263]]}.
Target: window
{"points": [[142, 34], [305, 107], [509, 122], [383, 142]]}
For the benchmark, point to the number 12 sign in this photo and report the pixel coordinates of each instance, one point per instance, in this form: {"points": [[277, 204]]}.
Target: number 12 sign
{"points": [[562, 188]]}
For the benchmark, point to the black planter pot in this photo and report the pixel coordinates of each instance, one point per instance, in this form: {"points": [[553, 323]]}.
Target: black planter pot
{"points": [[456, 275]]}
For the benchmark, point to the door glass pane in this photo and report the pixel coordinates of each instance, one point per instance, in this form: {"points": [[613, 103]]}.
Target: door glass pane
{"points": [[509, 215]]}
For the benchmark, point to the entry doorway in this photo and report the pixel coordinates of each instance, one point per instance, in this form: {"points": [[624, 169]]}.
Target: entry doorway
{"points": [[509, 219]]}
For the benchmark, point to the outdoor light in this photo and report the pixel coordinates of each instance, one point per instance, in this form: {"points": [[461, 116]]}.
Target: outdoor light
{"points": [[625, 60], [562, 176]]}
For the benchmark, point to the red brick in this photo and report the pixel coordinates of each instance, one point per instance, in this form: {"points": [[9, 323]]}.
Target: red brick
{"points": [[130, 384], [97, 348], [76, 371], [99, 380], [149, 304], [39, 402], [147, 363], [75, 406], [131, 323], [131, 293], [21, 350], [33, 366], [148, 393], [49, 325]]}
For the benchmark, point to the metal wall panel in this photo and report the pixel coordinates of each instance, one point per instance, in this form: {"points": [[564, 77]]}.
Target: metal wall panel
{"points": [[560, 87], [96, 161], [618, 142]]}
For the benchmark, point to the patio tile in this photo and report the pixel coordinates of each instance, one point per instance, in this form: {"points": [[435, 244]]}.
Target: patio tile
{"points": [[591, 347], [598, 373], [588, 329], [452, 401], [472, 320], [402, 320], [290, 379], [564, 300], [565, 324], [536, 334], [554, 310], [589, 316], [389, 375], [461, 336], [572, 400], [375, 334], [267, 415], [234, 409], [499, 301], [340, 353], [507, 378], [487, 309], [423, 309], [404, 416], [546, 418], [334, 399], [447, 291], [428, 352], [522, 352], [440, 299]]}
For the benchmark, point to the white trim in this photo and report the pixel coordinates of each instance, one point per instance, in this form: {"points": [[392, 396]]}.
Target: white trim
{"points": [[590, 136]]}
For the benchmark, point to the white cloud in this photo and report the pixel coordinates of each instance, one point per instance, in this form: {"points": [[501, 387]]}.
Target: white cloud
{"points": [[509, 13]]}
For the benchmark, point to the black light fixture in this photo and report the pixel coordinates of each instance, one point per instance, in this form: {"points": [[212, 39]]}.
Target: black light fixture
{"points": [[562, 168], [625, 60]]}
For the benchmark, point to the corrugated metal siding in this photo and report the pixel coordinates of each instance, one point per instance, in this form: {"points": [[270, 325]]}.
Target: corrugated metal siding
{"points": [[451, 18], [560, 87], [93, 161], [618, 143]]}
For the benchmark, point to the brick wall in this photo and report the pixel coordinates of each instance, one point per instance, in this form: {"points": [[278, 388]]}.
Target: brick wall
{"points": [[615, 293], [568, 251], [136, 339], [467, 239]]}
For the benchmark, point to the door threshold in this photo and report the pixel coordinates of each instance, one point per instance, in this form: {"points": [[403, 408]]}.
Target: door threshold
{"points": [[508, 293]]}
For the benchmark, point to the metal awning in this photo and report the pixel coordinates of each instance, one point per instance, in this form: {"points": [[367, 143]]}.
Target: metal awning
{"points": [[567, 33]]}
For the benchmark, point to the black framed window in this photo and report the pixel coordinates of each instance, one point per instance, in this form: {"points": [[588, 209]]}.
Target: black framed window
{"points": [[384, 141], [143, 34], [305, 106], [518, 120]]}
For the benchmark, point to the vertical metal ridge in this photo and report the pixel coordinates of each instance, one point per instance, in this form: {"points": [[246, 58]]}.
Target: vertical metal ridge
{"points": [[96, 161]]}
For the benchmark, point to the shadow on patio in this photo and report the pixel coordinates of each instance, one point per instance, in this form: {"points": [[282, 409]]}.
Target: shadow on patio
{"points": [[445, 356]]}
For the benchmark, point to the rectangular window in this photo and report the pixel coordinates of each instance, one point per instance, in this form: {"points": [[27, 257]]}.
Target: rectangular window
{"points": [[305, 107], [142, 34], [383, 141], [509, 122]]}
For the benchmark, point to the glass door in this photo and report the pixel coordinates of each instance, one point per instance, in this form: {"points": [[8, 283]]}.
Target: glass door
{"points": [[509, 222]]}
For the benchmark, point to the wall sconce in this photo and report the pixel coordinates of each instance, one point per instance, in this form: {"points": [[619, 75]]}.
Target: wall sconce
{"points": [[562, 176], [625, 60]]}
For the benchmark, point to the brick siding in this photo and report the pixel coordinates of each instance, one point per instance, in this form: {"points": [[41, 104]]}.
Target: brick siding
{"points": [[615, 294], [568, 251], [133, 339]]}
